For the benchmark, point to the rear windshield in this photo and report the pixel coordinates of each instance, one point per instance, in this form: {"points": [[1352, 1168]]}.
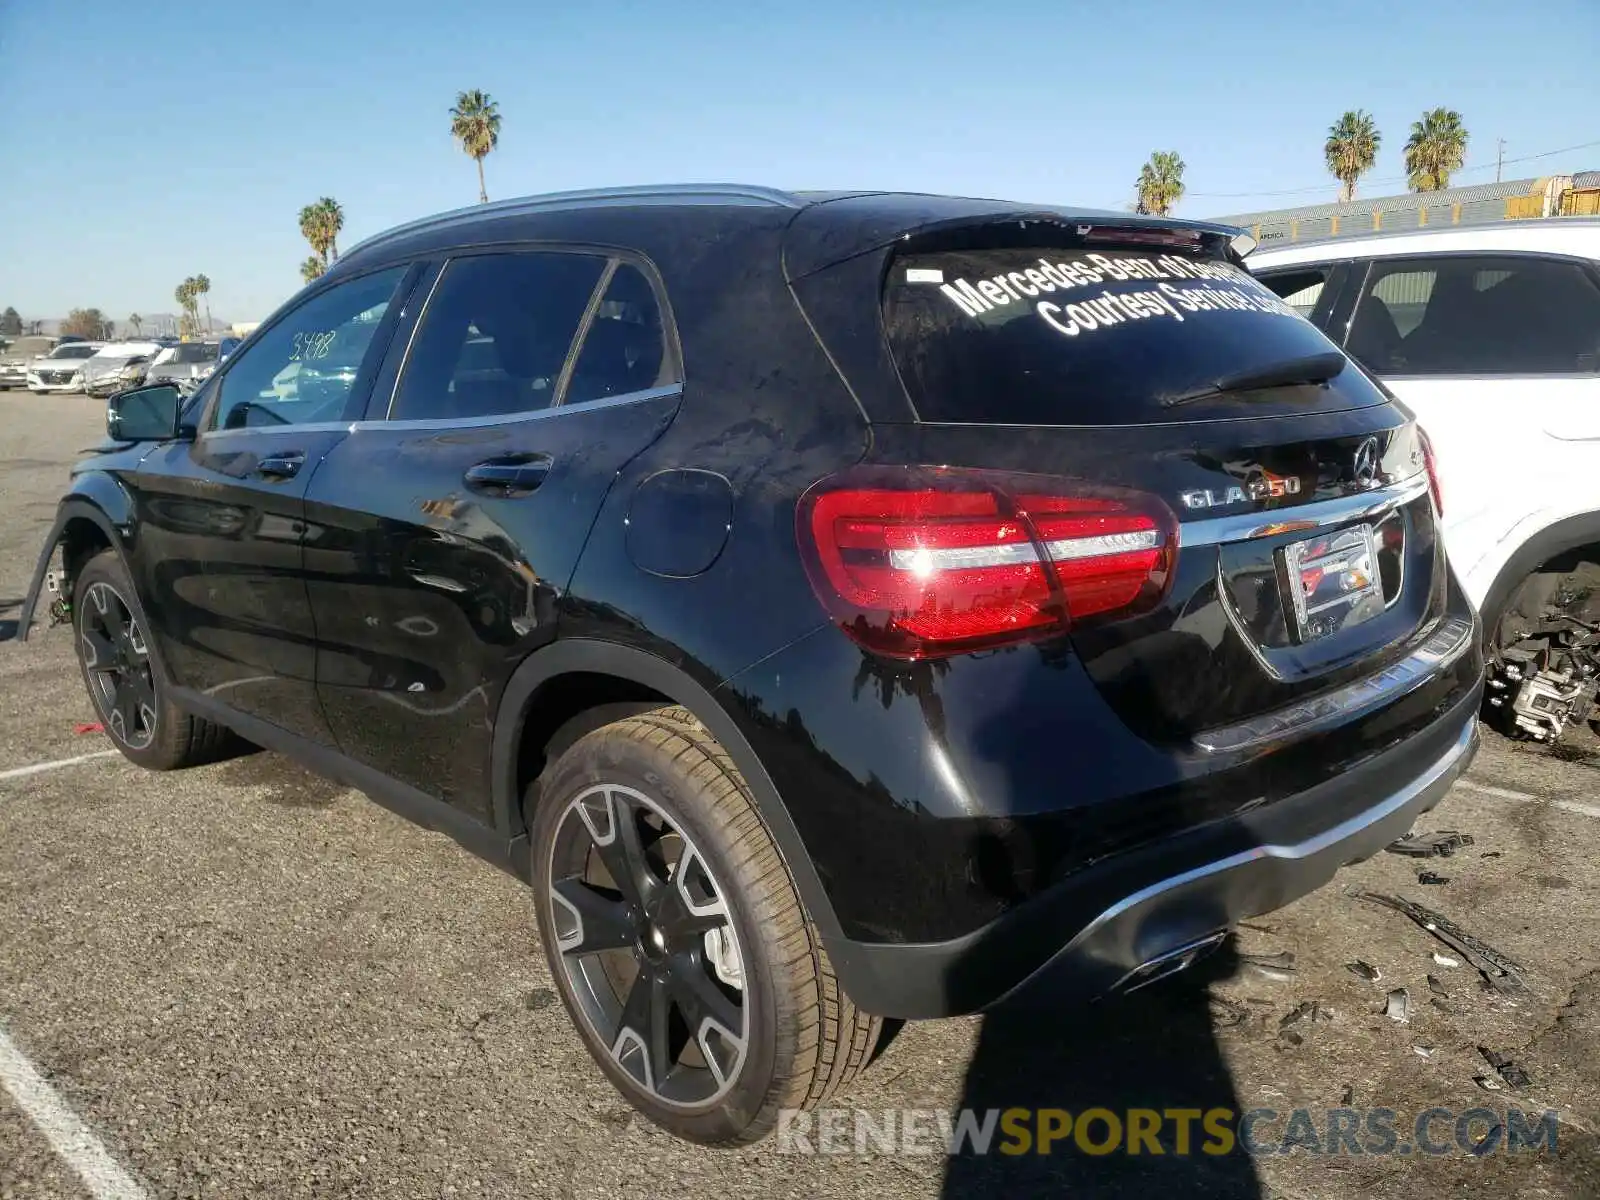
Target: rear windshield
{"points": [[1052, 336]]}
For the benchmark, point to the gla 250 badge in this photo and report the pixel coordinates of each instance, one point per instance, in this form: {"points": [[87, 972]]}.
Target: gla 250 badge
{"points": [[1260, 489]]}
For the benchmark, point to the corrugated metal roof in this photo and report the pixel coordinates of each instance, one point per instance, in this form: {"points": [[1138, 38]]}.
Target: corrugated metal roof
{"points": [[1404, 201]]}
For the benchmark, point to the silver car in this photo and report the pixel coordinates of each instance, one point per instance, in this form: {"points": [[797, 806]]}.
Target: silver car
{"points": [[185, 361], [14, 358]]}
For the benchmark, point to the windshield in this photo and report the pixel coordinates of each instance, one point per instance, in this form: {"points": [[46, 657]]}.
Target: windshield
{"points": [[73, 350], [1055, 336]]}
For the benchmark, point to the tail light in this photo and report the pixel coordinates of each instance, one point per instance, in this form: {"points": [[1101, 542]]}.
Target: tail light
{"points": [[920, 562], [1433, 470]]}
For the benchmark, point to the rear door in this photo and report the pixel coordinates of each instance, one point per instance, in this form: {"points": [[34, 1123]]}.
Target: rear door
{"points": [[1499, 356], [442, 529], [222, 516]]}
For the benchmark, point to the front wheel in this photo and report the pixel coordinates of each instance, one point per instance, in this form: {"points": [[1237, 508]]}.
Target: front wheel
{"points": [[124, 677], [676, 937]]}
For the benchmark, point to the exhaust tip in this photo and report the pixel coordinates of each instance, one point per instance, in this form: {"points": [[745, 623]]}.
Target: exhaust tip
{"points": [[1165, 965]]}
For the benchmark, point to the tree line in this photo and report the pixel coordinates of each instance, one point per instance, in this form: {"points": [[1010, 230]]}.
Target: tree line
{"points": [[1436, 149]]}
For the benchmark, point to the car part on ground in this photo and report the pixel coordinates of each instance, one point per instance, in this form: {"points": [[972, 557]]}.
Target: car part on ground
{"points": [[845, 553], [1499, 973], [1430, 845]]}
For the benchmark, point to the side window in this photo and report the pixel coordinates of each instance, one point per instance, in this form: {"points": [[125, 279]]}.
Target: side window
{"points": [[1301, 288], [625, 349], [304, 367], [495, 335], [1501, 315]]}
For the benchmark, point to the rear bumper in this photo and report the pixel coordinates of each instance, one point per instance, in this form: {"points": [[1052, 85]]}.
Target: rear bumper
{"points": [[1069, 944]]}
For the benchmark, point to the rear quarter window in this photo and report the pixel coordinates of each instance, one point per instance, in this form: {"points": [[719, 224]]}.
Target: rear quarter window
{"points": [[1052, 336]]}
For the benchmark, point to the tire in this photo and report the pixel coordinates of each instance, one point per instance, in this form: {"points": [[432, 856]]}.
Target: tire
{"points": [[150, 730], [725, 909]]}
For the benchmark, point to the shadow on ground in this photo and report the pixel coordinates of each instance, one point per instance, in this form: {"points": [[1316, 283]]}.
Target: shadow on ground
{"points": [[1152, 1050]]}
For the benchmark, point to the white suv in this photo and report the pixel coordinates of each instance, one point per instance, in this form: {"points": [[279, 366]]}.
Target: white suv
{"points": [[1491, 335]]}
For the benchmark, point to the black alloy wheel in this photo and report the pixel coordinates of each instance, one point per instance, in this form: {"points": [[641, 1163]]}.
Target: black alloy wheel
{"points": [[648, 947], [116, 661]]}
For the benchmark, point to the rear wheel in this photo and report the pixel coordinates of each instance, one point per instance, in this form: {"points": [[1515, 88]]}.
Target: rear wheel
{"points": [[124, 678], [677, 939]]}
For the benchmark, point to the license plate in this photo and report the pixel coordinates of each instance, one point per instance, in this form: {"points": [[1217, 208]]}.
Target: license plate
{"points": [[1333, 581]]}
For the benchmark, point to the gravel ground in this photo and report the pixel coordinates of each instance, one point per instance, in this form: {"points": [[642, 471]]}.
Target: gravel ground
{"points": [[250, 982]]}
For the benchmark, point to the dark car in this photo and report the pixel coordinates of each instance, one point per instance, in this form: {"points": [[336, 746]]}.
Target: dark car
{"points": [[838, 606]]}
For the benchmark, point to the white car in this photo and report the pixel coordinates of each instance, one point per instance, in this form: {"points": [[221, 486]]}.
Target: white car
{"points": [[62, 369], [117, 365], [1491, 336]]}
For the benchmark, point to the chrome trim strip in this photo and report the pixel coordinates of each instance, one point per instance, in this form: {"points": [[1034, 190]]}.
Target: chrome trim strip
{"points": [[1441, 648], [536, 414], [309, 427], [1241, 527]]}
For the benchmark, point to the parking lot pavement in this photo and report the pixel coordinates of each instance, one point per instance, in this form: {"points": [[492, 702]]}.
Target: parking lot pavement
{"points": [[247, 981]]}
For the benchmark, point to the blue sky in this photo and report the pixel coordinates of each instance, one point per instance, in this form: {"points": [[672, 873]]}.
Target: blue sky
{"points": [[146, 142]]}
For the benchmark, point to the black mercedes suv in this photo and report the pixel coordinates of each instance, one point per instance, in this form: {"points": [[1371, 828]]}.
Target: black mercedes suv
{"points": [[837, 606]]}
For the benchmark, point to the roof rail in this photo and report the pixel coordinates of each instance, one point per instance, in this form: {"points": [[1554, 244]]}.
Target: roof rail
{"points": [[733, 193]]}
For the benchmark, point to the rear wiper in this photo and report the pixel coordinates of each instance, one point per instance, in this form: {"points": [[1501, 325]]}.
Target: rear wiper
{"points": [[1312, 368]]}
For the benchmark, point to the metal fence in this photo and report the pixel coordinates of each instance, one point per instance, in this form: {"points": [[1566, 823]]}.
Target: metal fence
{"points": [[1481, 204]]}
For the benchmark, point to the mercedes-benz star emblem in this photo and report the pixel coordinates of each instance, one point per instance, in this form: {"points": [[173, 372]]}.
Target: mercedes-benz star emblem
{"points": [[1366, 464]]}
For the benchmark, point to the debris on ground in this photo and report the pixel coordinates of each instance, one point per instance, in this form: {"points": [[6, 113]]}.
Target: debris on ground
{"points": [[88, 727], [1444, 960], [1430, 845], [1397, 1007], [1307, 1008], [1442, 1006], [1500, 973], [1227, 1013], [1293, 1038], [1490, 854], [1278, 967], [1436, 987], [1431, 878], [1510, 1072], [1487, 1082], [1425, 1051], [1348, 1095], [1364, 970]]}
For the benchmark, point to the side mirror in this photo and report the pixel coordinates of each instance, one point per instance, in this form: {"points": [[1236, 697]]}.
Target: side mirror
{"points": [[144, 414]]}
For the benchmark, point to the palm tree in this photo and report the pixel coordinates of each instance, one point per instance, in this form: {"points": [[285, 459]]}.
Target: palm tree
{"points": [[311, 269], [475, 123], [1351, 149], [202, 287], [137, 322], [184, 295], [320, 224], [1437, 146], [1160, 183]]}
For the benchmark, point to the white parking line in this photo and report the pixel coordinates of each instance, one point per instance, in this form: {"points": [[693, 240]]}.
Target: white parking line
{"points": [[1503, 793], [41, 768], [1571, 806], [68, 1136]]}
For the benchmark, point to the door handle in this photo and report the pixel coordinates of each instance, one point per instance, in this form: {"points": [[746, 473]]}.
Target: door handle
{"points": [[283, 465], [509, 475]]}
